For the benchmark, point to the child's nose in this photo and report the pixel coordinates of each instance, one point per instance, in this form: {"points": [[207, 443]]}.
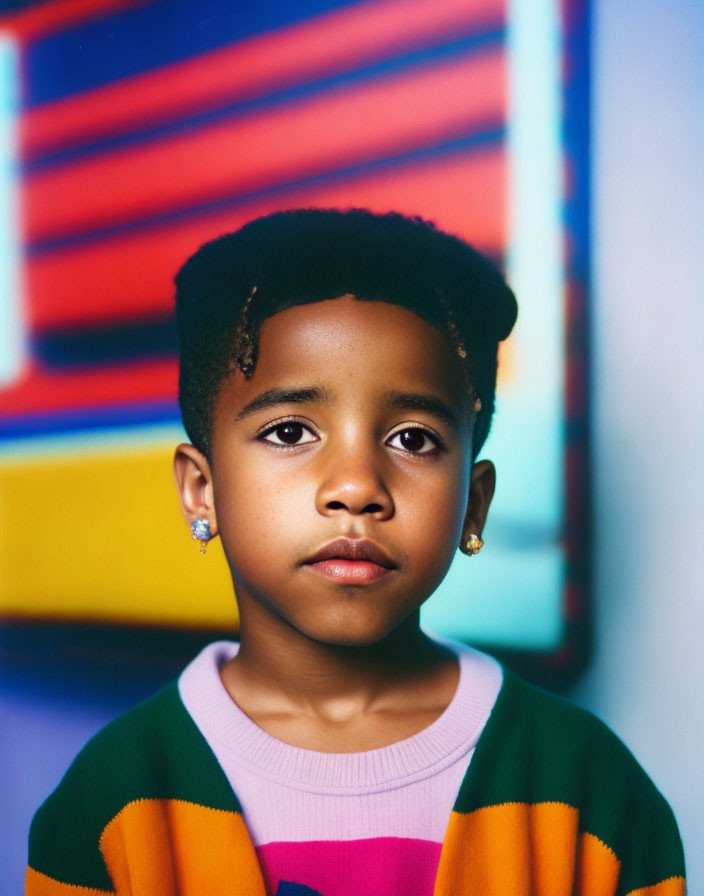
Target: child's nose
{"points": [[355, 487]]}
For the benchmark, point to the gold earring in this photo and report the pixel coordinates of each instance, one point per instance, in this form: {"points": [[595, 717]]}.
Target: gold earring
{"points": [[472, 546]]}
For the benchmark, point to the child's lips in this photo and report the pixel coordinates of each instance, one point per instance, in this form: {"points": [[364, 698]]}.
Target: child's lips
{"points": [[350, 572], [351, 561]]}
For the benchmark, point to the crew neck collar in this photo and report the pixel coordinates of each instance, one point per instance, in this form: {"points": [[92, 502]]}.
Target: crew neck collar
{"points": [[234, 735]]}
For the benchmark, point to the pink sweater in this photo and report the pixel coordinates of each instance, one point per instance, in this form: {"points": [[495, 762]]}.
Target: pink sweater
{"points": [[340, 823]]}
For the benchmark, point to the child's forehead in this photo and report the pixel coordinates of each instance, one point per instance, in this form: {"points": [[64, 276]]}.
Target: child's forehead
{"points": [[333, 328], [348, 316], [352, 349]]}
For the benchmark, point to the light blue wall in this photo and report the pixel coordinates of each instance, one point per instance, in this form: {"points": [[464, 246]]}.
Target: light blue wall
{"points": [[648, 425]]}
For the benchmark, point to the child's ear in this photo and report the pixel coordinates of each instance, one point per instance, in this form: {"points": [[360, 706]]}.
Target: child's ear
{"points": [[481, 491], [194, 481]]}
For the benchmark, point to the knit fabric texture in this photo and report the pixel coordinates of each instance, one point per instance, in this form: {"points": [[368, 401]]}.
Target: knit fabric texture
{"points": [[369, 822], [551, 804]]}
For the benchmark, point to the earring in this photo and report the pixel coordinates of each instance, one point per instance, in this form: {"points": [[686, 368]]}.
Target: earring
{"points": [[200, 531], [472, 546]]}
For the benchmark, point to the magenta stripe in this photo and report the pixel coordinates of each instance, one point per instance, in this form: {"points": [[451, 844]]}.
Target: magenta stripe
{"points": [[392, 866]]}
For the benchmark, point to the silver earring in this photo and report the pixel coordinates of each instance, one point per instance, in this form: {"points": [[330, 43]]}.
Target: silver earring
{"points": [[200, 531]]}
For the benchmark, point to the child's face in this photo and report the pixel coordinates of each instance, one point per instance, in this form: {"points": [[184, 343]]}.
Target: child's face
{"points": [[373, 442]]}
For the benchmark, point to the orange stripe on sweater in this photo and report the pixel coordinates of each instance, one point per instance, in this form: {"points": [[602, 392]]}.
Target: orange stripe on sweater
{"points": [[673, 886], [38, 884], [598, 867], [524, 850], [162, 847]]}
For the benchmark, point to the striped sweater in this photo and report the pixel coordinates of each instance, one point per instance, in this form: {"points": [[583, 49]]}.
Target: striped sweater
{"points": [[551, 804]]}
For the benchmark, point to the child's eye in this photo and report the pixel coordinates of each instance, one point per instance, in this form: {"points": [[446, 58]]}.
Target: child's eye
{"points": [[289, 432], [415, 440]]}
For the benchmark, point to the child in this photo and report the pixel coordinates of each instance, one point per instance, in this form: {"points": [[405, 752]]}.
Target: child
{"points": [[337, 382]]}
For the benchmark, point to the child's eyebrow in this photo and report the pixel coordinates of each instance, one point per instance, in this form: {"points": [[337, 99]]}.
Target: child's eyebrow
{"points": [[276, 396], [405, 401], [416, 401]]}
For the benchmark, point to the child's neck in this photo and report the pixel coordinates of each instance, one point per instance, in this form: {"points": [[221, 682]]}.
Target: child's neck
{"points": [[342, 699]]}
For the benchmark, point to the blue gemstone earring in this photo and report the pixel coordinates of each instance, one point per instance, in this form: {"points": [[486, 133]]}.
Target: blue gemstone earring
{"points": [[200, 531]]}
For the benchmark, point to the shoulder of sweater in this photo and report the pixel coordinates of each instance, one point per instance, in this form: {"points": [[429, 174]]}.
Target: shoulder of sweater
{"points": [[540, 748], [548, 717], [543, 731], [153, 751]]}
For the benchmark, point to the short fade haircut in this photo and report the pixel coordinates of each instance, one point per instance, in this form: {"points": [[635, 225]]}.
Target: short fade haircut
{"points": [[232, 284]]}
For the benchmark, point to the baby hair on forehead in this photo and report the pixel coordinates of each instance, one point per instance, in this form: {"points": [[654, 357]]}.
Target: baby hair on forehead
{"points": [[243, 351], [232, 284]]}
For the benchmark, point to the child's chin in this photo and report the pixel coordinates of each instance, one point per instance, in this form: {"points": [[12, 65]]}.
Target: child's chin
{"points": [[364, 636]]}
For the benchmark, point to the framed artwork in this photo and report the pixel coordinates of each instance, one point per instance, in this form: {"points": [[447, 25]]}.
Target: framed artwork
{"points": [[132, 131]]}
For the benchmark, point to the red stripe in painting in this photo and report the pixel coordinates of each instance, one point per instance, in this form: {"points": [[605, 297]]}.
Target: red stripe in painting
{"points": [[331, 43], [131, 276], [42, 18], [40, 391], [280, 145]]}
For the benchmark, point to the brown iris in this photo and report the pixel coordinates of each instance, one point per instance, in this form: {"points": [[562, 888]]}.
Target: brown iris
{"points": [[290, 433], [412, 439]]}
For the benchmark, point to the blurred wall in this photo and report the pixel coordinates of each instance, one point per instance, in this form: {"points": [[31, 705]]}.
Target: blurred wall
{"points": [[648, 381]]}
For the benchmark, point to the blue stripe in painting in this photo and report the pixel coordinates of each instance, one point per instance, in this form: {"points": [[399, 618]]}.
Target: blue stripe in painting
{"points": [[140, 38], [93, 347], [492, 134], [577, 130], [465, 45], [110, 417]]}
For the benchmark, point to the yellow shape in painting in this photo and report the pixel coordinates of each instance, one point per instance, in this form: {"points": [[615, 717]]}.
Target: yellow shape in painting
{"points": [[100, 536]]}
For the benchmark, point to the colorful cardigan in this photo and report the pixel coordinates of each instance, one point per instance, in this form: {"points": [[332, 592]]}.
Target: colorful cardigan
{"points": [[552, 804]]}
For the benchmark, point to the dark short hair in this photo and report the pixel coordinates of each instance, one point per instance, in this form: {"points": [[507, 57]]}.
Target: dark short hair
{"points": [[233, 283]]}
